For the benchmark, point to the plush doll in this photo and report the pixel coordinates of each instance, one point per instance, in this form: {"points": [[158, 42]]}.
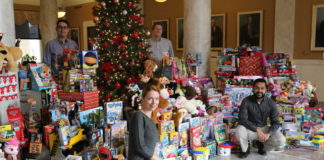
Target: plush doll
{"points": [[150, 67], [9, 57], [11, 149], [190, 103]]}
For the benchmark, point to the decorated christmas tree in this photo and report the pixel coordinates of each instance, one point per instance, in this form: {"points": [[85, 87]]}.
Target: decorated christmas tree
{"points": [[122, 46]]}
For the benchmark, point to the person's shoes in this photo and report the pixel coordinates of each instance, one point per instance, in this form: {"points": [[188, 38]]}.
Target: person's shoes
{"points": [[244, 154], [261, 149]]}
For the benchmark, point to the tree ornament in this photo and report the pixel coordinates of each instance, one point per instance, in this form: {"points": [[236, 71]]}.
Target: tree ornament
{"points": [[148, 33], [140, 21], [117, 85], [106, 45], [103, 4], [108, 96], [116, 1], [122, 46], [124, 12], [130, 4], [135, 35], [125, 38]]}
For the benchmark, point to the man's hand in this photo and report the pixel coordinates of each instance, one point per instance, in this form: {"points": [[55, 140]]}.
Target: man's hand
{"points": [[261, 136]]}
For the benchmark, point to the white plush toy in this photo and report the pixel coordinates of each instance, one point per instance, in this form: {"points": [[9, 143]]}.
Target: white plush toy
{"points": [[190, 103]]}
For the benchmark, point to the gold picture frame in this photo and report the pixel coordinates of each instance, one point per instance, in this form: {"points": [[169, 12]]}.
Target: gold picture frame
{"points": [[317, 38], [251, 34], [218, 32]]}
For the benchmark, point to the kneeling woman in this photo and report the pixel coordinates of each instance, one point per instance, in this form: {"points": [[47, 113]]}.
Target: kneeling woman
{"points": [[143, 134]]}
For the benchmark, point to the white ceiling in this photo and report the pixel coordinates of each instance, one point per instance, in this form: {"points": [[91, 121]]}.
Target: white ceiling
{"points": [[61, 3]]}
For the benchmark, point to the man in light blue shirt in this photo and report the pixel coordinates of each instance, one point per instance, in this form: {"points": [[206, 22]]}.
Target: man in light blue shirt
{"points": [[53, 54], [159, 46]]}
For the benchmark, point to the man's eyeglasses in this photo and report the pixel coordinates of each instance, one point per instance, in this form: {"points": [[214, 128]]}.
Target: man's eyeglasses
{"points": [[62, 27]]}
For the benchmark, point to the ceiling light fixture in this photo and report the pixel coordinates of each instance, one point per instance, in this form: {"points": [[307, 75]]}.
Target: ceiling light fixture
{"points": [[160, 1]]}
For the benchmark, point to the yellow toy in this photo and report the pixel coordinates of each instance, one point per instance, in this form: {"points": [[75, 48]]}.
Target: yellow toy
{"points": [[76, 138], [299, 111], [9, 57]]}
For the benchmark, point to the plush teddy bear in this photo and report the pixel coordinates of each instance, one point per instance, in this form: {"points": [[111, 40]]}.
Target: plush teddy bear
{"points": [[150, 67], [9, 57]]}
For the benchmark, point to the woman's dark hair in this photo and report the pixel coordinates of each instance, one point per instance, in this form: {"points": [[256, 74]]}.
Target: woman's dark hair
{"points": [[151, 85]]}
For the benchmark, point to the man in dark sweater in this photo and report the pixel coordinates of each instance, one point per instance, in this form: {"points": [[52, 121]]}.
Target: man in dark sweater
{"points": [[254, 113]]}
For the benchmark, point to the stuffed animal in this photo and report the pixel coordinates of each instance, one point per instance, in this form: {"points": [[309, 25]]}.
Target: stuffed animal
{"points": [[46, 76], [9, 57], [190, 103], [11, 148], [150, 67]]}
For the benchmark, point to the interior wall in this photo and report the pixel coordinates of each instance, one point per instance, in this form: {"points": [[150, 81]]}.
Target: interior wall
{"points": [[303, 30], [76, 15], [23, 7], [173, 9]]}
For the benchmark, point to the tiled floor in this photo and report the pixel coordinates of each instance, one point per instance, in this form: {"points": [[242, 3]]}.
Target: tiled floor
{"points": [[287, 155]]}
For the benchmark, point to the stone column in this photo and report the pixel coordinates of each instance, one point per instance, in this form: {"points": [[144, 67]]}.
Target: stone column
{"points": [[48, 18], [7, 22], [284, 26], [197, 29]]}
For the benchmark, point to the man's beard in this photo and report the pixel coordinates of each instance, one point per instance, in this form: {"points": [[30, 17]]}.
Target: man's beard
{"points": [[256, 95]]}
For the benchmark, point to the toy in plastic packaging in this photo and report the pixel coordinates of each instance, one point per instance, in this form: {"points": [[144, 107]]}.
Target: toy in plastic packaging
{"points": [[114, 111], [195, 137]]}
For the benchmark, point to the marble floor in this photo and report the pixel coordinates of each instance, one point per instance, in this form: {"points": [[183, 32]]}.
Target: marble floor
{"points": [[286, 155]]}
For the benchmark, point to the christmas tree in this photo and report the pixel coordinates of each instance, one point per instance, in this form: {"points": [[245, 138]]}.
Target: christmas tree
{"points": [[122, 46]]}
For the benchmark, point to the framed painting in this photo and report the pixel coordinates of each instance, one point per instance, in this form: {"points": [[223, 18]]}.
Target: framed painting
{"points": [[218, 31], [250, 28], [179, 30], [317, 40]]}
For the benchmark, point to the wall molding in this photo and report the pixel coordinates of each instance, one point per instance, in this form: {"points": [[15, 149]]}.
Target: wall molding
{"points": [[64, 3]]}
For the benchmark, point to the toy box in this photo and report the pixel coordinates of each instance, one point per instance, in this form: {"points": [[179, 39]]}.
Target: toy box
{"points": [[70, 58], [220, 133], [118, 136], [89, 59], [212, 146], [194, 122], [174, 137], [40, 75], [92, 116], [90, 99], [195, 137], [166, 126], [313, 115], [226, 63], [114, 111], [164, 139], [206, 82]]}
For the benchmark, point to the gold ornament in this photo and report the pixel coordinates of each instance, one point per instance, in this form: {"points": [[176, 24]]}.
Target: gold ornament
{"points": [[103, 4], [125, 38]]}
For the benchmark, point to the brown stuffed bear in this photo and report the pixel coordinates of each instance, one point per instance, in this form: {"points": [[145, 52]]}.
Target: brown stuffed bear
{"points": [[9, 57]]}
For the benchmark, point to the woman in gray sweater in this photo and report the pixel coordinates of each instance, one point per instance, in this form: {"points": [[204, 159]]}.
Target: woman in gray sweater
{"points": [[143, 134]]}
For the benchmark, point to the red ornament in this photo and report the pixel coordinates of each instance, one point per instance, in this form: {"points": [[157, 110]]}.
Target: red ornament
{"points": [[135, 35], [130, 81], [122, 46], [106, 45], [140, 21], [129, 4], [108, 96], [117, 85]]}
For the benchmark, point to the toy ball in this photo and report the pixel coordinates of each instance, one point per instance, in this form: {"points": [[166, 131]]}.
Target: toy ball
{"points": [[90, 59]]}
